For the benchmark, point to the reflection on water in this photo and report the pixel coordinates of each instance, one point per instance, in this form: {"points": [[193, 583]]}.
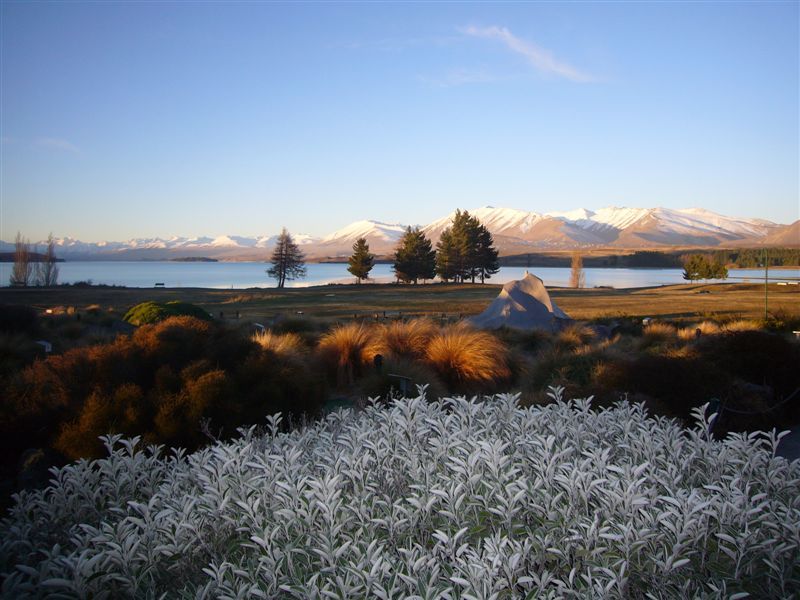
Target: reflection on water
{"points": [[232, 275]]}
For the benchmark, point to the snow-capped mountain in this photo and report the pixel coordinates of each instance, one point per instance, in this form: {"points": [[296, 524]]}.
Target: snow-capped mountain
{"points": [[515, 231], [390, 232], [381, 237], [231, 247], [614, 226]]}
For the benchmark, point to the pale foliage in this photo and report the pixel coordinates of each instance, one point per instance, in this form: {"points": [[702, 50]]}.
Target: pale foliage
{"points": [[451, 499]]}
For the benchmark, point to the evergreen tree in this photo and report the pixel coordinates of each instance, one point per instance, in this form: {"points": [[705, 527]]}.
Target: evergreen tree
{"points": [[447, 256], [718, 270], [470, 250], [465, 231], [288, 261], [361, 261], [488, 263], [415, 257], [697, 266]]}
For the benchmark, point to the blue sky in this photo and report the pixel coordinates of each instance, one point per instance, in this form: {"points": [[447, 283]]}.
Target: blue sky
{"points": [[142, 119]]}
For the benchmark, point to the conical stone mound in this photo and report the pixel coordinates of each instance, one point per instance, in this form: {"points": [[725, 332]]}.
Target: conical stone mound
{"points": [[522, 304]]}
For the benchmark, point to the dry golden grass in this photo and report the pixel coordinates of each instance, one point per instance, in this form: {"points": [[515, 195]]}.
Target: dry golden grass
{"points": [[408, 339], [742, 325], [658, 332], [289, 345], [466, 357], [706, 328], [574, 336], [347, 349]]}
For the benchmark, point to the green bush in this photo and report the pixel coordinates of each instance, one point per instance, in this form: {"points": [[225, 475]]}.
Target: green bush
{"points": [[148, 313]]}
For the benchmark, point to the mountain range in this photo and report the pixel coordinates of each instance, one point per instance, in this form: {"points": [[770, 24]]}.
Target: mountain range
{"points": [[514, 231]]}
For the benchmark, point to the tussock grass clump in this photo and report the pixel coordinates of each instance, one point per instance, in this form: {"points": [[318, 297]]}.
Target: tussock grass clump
{"points": [[656, 334], [448, 499], [574, 336], [742, 325], [706, 328], [288, 345], [347, 349], [465, 357], [409, 339]]}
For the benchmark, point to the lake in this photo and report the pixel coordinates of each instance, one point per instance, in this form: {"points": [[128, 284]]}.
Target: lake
{"points": [[233, 275]]}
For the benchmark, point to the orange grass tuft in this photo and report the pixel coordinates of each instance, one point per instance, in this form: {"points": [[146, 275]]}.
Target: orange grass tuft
{"points": [[289, 345], [408, 339], [657, 332], [742, 325], [465, 356], [706, 328], [348, 349]]}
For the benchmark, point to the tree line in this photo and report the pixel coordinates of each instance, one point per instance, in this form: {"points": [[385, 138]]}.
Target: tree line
{"points": [[757, 257], [32, 268], [465, 252]]}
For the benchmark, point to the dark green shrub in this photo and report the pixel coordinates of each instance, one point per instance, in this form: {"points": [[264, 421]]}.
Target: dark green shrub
{"points": [[381, 384], [148, 313], [760, 358], [680, 382]]}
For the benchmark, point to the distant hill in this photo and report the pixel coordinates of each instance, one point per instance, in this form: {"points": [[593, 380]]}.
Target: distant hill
{"points": [[33, 257], [515, 232], [194, 259], [787, 236]]}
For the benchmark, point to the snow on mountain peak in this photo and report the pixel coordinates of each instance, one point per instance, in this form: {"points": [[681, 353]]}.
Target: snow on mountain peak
{"points": [[224, 241], [609, 226], [389, 232]]}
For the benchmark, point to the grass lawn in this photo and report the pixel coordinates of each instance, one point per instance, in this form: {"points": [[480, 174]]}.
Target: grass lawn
{"points": [[678, 302]]}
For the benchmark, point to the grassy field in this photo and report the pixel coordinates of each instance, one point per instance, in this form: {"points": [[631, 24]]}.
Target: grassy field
{"points": [[677, 302]]}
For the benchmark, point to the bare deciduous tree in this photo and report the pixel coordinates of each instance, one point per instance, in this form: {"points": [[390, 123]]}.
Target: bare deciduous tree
{"points": [[47, 268], [22, 270], [577, 278]]}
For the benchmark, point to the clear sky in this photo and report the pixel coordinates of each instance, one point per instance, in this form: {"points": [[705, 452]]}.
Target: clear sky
{"points": [[148, 119]]}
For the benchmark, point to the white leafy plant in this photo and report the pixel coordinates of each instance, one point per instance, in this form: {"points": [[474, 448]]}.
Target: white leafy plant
{"points": [[452, 499]]}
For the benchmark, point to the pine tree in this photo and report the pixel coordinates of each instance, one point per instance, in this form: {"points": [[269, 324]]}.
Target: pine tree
{"points": [[447, 256], [288, 261], [471, 252], [361, 261], [22, 270], [465, 231], [694, 267], [697, 266], [488, 263], [415, 257]]}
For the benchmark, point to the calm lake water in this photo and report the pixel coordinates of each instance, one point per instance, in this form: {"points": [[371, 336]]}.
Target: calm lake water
{"points": [[233, 275]]}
